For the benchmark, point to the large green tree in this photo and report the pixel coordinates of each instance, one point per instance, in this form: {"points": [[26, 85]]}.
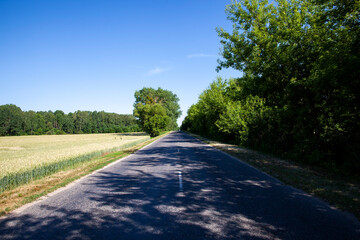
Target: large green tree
{"points": [[166, 98], [300, 89], [152, 117], [156, 109], [11, 119]]}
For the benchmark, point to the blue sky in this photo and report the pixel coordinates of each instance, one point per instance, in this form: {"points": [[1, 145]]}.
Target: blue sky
{"points": [[93, 55]]}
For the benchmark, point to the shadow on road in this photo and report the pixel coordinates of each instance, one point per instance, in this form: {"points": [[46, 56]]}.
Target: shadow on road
{"points": [[220, 199]]}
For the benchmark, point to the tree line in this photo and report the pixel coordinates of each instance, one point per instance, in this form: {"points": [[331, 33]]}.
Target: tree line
{"points": [[299, 93], [14, 122]]}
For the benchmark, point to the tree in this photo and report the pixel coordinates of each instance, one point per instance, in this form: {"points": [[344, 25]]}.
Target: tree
{"points": [[156, 110], [68, 126], [164, 97], [299, 93], [30, 122], [41, 123], [206, 112], [11, 118], [152, 117], [59, 119]]}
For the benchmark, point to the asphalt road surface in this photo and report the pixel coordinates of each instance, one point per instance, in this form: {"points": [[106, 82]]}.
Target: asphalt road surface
{"points": [[179, 188]]}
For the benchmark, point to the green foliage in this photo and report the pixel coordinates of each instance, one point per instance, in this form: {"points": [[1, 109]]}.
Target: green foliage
{"points": [[152, 117], [10, 120], [155, 124], [161, 96], [239, 117], [299, 94], [156, 110], [13, 121], [202, 116]]}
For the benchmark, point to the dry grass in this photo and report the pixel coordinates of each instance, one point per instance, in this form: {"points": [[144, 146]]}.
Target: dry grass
{"points": [[26, 152], [341, 192]]}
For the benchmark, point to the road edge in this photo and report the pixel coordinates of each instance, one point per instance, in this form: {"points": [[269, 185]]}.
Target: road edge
{"points": [[72, 183], [348, 214]]}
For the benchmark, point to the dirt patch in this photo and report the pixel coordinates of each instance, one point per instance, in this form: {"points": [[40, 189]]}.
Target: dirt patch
{"points": [[12, 148]]}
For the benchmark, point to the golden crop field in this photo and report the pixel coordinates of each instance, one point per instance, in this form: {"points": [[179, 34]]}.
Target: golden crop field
{"points": [[21, 153]]}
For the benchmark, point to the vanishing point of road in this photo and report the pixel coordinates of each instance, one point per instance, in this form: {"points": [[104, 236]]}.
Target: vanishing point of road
{"points": [[179, 188]]}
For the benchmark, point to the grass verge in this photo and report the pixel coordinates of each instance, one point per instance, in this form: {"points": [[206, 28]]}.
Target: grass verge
{"points": [[13, 180], [29, 192], [339, 191]]}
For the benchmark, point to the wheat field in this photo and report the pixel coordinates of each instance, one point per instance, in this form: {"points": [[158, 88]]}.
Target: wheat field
{"points": [[22, 153]]}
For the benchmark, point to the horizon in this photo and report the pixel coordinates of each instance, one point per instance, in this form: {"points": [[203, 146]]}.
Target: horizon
{"points": [[93, 56]]}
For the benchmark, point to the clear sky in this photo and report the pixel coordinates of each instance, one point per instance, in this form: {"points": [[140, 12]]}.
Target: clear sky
{"points": [[94, 54]]}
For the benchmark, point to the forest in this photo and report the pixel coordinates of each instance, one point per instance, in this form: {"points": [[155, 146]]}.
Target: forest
{"points": [[298, 96], [15, 122]]}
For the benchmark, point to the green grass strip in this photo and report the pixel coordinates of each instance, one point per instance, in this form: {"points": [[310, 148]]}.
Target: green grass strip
{"points": [[13, 180]]}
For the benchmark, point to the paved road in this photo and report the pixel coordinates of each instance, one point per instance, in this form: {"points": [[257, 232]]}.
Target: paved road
{"points": [[179, 188]]}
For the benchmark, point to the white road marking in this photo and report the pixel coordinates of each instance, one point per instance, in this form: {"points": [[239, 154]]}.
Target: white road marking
{"points": [[180, 182]]}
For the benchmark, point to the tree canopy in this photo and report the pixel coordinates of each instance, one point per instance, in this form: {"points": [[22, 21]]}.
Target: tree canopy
{"points": [[156, 109], [299, 93]]}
